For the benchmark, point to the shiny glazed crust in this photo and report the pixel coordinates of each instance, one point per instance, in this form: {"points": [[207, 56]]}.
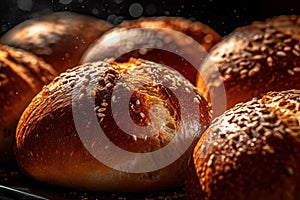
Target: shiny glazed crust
{"points": [[258, 58], [250, 152], [59, 38], [51, 147], [22, 76], [176, 42]]}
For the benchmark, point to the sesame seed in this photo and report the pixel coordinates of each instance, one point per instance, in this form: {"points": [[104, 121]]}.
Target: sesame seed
{"points": [[290, 170], [290, 72], [142, 115], [287, 40], [297, 47], [263, 48], [100, 115], [279, 35], [270, 61], [267, 35], [134, 137], [137, 102], [228, 70], [244, 63], [296, 69], [104, 103], [257, 37], [258, 57], [253, 71], [268, 41], [96, 108], [296, 53], [101, 109], [280, 53], [244, 71], [287, 48], [268, 149]]}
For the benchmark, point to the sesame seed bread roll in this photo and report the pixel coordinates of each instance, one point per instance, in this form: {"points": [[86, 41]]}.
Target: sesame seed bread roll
{"points": [[258, 58], [113, 127], [250, 152], [59, 38], [165, 40], [22, 76]]}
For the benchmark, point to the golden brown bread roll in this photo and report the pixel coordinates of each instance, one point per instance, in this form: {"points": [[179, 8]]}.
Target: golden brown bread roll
{"points": [[255, 59], [157, 39], [60, 38], [109, 126], [250, 152], [22, 76]]}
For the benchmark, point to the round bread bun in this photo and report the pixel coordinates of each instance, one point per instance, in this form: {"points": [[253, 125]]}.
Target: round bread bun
{"points": [[256, 59], [59, 38], [250, 152], [93, 125], [22, 76], [157, 39]]}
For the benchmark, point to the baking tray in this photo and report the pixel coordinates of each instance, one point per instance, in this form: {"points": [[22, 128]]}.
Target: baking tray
{"points": [[222, 16]]}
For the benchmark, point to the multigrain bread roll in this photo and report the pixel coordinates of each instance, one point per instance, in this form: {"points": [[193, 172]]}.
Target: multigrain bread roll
{"points": [[250, 152], [108, 126], [255, 59], [59, 38], [176, 42], [22, 76]]}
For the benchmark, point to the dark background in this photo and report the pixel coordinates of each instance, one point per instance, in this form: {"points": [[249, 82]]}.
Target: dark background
{"points": [[221, 15]]}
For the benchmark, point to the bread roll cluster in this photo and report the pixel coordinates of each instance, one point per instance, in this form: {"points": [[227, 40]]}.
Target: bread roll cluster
{"points": [[59, 38], [131, 113], [50, 44]]}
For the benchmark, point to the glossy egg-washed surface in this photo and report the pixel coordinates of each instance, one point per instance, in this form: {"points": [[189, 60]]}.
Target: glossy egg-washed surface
{"points": [[261, 57], [171, 48], [250, 152], [22, 75], [59, 38], [49, 148]]}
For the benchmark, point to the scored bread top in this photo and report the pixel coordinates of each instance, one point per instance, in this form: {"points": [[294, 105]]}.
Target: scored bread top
{"points": [[140, 106], [22, 75]]}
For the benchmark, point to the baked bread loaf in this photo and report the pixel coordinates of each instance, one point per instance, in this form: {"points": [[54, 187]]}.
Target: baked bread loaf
{"points": [[255, 59], [108, 126], [22, 76], [250, 152], [176, 42], [59, 38]]}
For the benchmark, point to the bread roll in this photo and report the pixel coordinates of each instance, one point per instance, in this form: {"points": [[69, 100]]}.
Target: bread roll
{"points": [[175, 42], [60, 38], [22, 76], [250, 152], [255, 59], [114, 127]]}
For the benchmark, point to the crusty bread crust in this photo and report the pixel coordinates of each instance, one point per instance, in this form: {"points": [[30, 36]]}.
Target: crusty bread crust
{"points": [[52, 147], [22, 76], [59, 38], [256, 59], [250, 152], [173, 41]]}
